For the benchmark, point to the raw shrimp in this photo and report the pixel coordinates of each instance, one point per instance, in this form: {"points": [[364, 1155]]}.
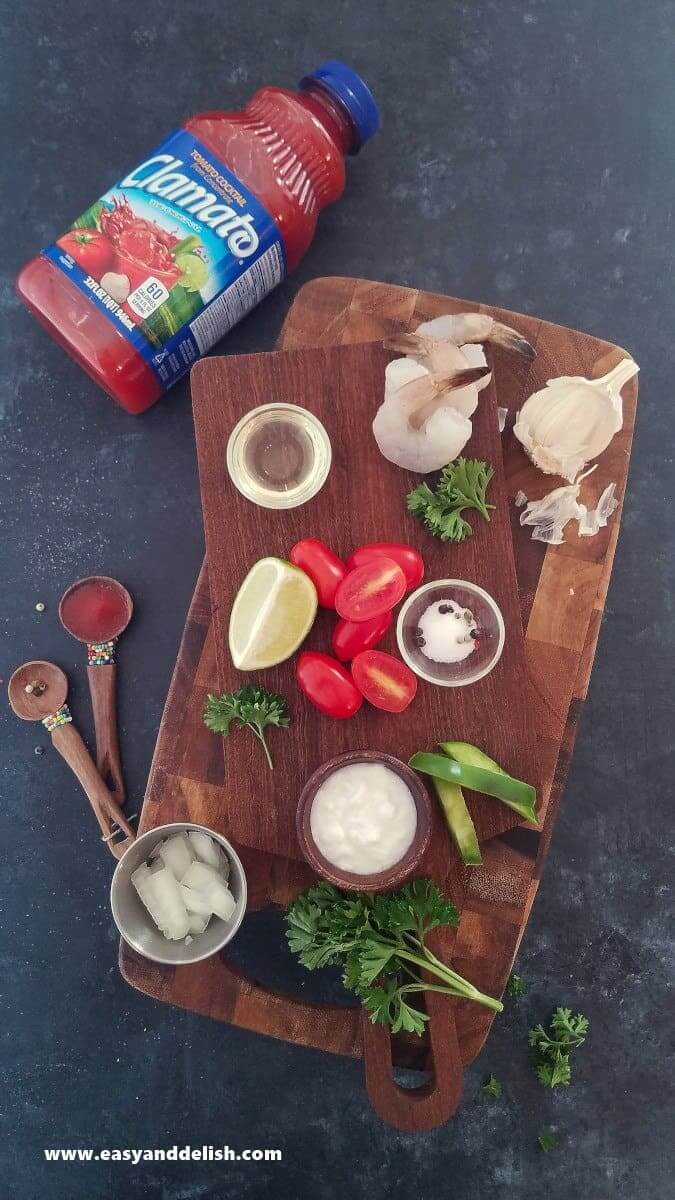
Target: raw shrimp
{"points": [[417, 426], [467, 329], [430, 396]]}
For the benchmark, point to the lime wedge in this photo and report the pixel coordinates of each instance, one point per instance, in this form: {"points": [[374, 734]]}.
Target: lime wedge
{"points": [[272, 614], [195, 273]]}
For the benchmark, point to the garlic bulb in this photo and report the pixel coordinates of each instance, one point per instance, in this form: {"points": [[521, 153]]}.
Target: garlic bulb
{"points": [[572, 420]]}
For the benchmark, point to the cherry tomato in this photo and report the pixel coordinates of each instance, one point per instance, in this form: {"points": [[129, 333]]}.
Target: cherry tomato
{"points": [[91, 250], [351, 637], [385, 681], [327, 685], [408, 559], [324, 568], [370, 590]]}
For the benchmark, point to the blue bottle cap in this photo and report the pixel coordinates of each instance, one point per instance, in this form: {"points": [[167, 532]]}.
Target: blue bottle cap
{"points": [[353, 94]]}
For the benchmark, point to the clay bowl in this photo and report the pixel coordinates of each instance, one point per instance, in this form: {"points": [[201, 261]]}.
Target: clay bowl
{"points": [[394, 876]]}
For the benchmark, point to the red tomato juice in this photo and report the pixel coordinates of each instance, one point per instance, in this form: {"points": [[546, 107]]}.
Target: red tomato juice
{"points": [[173, 255]]}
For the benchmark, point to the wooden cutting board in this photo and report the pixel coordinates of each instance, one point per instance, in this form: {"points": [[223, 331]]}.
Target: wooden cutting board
{"points": [[363, 500], [562, 595]]}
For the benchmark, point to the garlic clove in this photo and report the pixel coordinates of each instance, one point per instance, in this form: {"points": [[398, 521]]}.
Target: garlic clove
{"points": [[115, 285]]}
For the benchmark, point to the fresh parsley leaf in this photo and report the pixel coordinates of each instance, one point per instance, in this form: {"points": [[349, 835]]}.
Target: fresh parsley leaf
{"points": [[379, 942], [251, 706], [418, 907], [492, 1087], [547, 1141], [463, 484], [516, 987], [552, 1047], [554, 1072], [387, 1006], [571, 1029], [421, 498], [374, 959], [538, 1038]]}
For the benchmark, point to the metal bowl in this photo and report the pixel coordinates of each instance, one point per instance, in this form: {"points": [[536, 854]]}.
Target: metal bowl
{"points": [[134, 921]]}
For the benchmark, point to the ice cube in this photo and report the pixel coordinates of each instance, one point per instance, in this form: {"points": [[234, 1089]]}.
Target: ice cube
{"points": [[206, 850], [177, 852], [197, 924], [206, 880], [195, 902], [160, 893]]}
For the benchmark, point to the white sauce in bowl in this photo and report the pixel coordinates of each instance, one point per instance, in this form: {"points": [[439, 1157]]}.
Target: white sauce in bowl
{"points": [[363, 818]]}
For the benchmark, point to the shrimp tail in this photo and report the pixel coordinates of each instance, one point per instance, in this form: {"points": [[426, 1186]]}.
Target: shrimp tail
{"points": [[427, 386], [423, 395], [410, 343], [503, 335]]}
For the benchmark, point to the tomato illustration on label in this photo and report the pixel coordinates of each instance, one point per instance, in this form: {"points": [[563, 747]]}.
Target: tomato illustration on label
{"points": [[92, 250]]}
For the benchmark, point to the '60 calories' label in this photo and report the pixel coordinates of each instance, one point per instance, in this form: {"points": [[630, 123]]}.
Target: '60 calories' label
{"points": [[174, 254]]}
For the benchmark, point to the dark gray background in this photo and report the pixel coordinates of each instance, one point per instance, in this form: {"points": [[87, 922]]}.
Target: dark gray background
{"points": [[525, 158]]}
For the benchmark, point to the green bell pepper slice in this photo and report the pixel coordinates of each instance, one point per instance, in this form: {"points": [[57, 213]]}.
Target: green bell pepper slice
{"points": [[459, 821], [488, 779]]}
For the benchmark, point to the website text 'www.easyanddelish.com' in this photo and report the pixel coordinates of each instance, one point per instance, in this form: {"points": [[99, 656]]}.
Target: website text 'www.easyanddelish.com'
{"points": [[171, 1154]]}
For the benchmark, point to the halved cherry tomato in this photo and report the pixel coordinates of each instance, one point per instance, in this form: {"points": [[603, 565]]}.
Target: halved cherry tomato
{"points": [[324, 568], [351, 637], [408, 559], [327, 685], [385, 681], [370, 590]]}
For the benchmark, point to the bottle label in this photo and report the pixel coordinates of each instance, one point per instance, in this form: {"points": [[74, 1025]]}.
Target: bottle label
{"points": [[174, 254]]}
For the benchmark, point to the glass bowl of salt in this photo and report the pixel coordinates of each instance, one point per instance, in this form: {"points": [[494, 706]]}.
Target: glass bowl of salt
{"points": [[450, 632]]}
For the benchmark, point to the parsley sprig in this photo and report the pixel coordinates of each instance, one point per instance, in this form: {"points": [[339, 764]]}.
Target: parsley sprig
{"points": [[552, 1047], [379, 941], [251, 706], [516, 987], [547, 1141], [492, 1087], [463, 485]]}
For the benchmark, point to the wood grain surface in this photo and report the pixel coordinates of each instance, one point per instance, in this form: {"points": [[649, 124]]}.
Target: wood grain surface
{"points": [[363, 500], [562, 595]]}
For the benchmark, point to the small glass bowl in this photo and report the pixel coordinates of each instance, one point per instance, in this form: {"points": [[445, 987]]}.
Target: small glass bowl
{"points": [[487, 616], [265, 427]]}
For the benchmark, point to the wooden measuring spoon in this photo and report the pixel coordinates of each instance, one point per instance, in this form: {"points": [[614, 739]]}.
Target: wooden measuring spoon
{"points": [[38, 692], [96, 611]]}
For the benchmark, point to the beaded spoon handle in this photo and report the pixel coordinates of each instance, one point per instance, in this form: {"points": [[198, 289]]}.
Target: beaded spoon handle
{"points": [[96, 611], [38, 692]]}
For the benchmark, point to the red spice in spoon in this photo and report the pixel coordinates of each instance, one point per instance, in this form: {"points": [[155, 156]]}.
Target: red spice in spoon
{"points": [[96, 609]]}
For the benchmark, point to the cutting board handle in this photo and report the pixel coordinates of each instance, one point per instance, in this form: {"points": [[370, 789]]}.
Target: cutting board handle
{"points": [[218, 989], [432, 1103]]}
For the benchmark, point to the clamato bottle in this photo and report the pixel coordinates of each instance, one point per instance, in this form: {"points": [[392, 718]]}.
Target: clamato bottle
{"points": [[193, 237]]}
